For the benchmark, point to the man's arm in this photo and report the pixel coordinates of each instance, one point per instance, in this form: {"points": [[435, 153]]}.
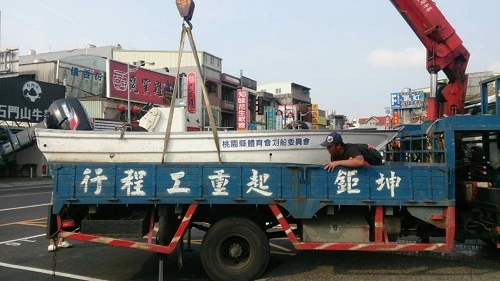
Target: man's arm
{"points": [[355, 162]]}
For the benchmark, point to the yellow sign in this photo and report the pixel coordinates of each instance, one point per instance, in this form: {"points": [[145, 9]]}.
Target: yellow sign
{"points": [[321, 120], [314, 113]]}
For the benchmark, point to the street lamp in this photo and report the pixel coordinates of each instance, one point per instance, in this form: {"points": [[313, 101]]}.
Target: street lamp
{"points": [[137, 65], [304, 114]]}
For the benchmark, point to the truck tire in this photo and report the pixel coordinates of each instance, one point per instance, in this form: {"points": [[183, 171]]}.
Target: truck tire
{"points": [[235, 248]]}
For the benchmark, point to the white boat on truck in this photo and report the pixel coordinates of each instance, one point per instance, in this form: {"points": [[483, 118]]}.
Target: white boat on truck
{"points": [[290, 146], [67, 136], [121, 146]]}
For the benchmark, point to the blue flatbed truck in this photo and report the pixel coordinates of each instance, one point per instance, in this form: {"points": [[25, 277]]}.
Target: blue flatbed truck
{"points": [[437, 181]]}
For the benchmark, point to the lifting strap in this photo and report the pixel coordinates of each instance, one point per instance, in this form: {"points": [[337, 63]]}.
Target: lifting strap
{"points": [[187, 30]]}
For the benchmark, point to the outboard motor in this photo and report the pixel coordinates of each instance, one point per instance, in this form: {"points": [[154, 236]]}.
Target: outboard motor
{"points": [[67, 114], [63, 114]]}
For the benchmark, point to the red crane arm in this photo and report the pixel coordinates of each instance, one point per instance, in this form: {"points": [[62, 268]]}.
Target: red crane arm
{"points": [[445, 52]]}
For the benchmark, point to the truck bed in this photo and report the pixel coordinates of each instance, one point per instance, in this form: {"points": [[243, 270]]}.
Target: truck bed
{"points": [[301, 189]]}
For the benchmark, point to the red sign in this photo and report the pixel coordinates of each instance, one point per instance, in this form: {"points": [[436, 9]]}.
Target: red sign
{"points": [[191, 92], [395, 118], [289, 112], [387, 122], [241, 109], [146, 86]]}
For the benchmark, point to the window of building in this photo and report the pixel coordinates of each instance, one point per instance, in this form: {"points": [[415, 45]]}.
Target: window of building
{"points": [[278, 90], [216, 113]]}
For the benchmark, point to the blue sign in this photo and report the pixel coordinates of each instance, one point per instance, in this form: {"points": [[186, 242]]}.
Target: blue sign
{"points": [[407, 100], [270, 118]]}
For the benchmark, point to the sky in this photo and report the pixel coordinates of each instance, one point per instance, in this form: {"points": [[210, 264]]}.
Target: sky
{"points": [[352, 54]]}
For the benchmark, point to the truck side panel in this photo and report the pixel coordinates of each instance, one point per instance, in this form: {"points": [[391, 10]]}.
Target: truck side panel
{"points": [[301, 189]]}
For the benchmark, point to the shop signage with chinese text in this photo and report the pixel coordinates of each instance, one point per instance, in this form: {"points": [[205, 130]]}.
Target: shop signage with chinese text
{"points": [[191, 92], [146, 86], [241, 109], [407, 100]]}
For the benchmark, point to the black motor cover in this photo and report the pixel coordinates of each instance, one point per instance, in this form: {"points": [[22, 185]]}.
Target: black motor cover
{"points": [[67, 114]]}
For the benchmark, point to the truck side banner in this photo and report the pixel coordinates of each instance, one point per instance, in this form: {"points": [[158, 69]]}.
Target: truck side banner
{"points": [[191, 92], [26, 100]]}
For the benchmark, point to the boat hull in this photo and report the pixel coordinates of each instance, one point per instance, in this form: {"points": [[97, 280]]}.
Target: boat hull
{"points": [[286, 146]]}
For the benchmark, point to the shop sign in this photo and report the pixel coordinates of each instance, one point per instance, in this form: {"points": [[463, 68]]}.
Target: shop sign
{"points": [[241, 109], [191, 92]]}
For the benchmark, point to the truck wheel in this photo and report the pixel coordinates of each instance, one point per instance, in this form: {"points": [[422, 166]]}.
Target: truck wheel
{"points": [[235, 248]]}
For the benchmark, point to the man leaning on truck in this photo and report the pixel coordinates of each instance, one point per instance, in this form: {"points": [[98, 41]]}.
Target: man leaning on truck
{"points": [[342, 154]]}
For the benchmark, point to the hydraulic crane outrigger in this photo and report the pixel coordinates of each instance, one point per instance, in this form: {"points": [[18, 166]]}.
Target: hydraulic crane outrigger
{"points": [[445, 52]]}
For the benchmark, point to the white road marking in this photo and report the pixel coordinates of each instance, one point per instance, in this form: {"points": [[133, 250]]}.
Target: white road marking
{"points": [[22, 239], [24, 207], [49, 272]]}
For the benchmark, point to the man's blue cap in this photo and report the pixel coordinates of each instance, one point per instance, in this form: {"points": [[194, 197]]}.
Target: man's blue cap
{"points": [[331, 139]]}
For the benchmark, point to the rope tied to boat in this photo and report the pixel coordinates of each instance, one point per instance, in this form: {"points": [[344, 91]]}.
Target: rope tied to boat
{"points": [[186, 30]]}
